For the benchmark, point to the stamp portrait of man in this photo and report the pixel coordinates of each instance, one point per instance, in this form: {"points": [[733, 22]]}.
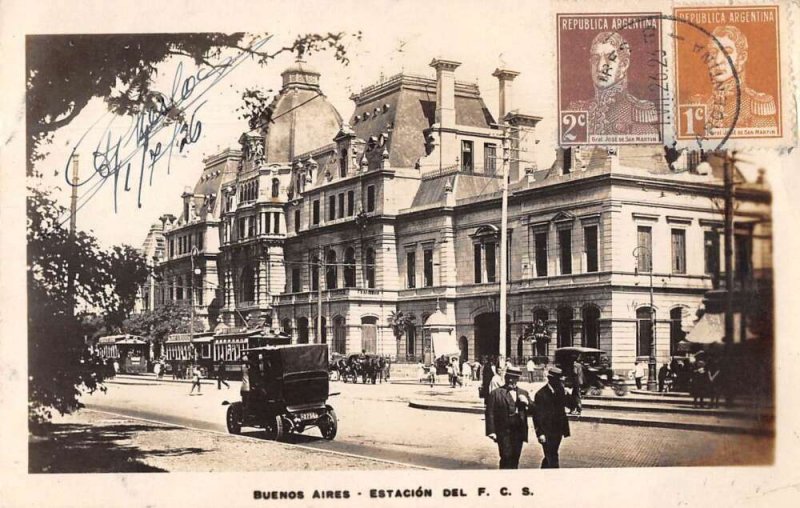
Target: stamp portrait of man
{"points": [[614, 110], [756, 109]]}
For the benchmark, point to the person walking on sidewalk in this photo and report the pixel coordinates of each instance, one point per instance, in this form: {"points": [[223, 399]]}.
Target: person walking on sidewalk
{"points": [[549, 418], [221, 376], [577, 383], [529, 368], [638, 373], [507, 410], [195, 380]]}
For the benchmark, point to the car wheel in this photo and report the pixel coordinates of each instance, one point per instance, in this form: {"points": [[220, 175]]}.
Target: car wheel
{"points": [[234, 418], [329, 424], [275, 429]]}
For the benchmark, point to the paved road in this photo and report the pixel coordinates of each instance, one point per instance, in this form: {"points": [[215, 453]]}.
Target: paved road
{"points": [[375, 421]]}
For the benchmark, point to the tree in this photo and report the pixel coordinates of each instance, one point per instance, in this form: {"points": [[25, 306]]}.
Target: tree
{"points": [[400, 322], [161, 322], [129, 272], [64, 72]]}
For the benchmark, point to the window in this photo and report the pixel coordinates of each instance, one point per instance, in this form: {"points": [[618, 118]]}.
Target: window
{"points": [[339, 335], [565, 250], [489, 249], [541, 315], [341, 205], [369, 268], [411, 269], [427, 262], [490, 158], [567, 161], [199, 240], [296, 280], [276, 185], [742, 249], [315, 212], [332, 207], [644, 331], [171, 247], [297, 220], [678, 251], [540, 252], [186, 210], [564, 326], [349, 267], [711, 250], [676, 333], [251, 227], [466, 156], [247, 284], [411, 340], [343, 164], [314, 272], [242, 229], [645, 246], [351, 203], [331, 272], [276, 219], [478, 267], [590, 244], [179, 289], [370, 198], [591, 326]]}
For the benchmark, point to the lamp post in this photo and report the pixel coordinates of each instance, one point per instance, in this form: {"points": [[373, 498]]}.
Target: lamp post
{"points": [[195, 271], [652, 385]]}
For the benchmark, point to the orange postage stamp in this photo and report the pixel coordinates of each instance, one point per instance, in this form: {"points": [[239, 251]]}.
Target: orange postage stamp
{"points": [[728, 72]]}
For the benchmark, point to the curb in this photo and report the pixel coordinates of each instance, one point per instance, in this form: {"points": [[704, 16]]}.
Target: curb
{"points": [[152, 378], [730, 429]]}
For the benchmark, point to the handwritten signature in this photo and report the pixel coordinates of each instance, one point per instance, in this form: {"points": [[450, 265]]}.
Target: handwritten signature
{"points": [[148, 139]]}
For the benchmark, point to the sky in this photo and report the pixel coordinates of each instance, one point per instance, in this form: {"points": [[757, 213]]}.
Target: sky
{"points": [[405, 43]]}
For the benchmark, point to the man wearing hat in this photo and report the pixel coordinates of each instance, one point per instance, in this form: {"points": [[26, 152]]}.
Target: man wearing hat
{"points": [[549, 418], [507, 409]]}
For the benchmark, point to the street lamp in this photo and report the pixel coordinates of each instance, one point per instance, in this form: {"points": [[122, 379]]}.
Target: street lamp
{"points": [[195, 271], [651, 371]]}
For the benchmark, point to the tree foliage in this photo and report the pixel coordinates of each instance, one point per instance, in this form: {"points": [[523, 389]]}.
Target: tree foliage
{"points": [[64, 72], [399, 321], [161, 322]]}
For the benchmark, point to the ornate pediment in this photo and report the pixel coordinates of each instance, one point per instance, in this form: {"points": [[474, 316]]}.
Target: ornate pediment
{"points": [[563, 216]]}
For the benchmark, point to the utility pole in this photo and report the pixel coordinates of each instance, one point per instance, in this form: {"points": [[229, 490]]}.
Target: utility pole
{"points": [[191, 306], [73, 211], [504, 246], [728, 166], [320, 278]]}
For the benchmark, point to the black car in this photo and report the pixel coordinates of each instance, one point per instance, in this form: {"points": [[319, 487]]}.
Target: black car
{"points": [[288, 392], [597, 372]]}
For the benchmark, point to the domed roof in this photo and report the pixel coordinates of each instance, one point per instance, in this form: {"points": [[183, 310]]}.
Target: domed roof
{"points": [[302, 117], [438, 320]]}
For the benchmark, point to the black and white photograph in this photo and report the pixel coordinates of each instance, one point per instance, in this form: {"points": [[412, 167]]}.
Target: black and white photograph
{"points": [[334, 253]]}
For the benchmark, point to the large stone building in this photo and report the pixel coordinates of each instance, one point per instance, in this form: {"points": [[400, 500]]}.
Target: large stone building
{"points": [[399, 209]]}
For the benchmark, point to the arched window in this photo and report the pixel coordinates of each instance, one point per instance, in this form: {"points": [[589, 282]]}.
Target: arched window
{"points": [[644, 331], [591, 326], [302, 330], [350, 268], [540, 317], [564, 325], [247, 284], [369, 334], [339, 335], [676, 333], [411, 341], [286, 326], [330, 269], [369, 267], [276, 184]]}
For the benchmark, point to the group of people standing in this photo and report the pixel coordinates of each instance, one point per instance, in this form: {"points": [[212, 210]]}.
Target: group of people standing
{"points": [[509, 406]]}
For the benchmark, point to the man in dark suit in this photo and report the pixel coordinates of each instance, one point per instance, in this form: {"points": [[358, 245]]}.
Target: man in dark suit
{"points": [[507, 410], [549, 418]]}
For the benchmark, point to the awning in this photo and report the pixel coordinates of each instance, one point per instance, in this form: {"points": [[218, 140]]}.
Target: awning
{"points": [[444, 344], [711, 328]]}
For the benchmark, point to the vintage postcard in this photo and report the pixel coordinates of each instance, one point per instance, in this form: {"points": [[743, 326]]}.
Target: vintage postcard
{"points": [[399, 253]]}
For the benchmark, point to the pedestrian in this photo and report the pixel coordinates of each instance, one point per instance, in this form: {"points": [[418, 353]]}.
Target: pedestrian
{"points": [[157, 370], [577, 384], [713, 384], [451, 375], [421, 372], [663, 373], [549, 418], [221, 376], [699, 384], [507, 410], [466, 372], [195, 380], [638, 373], [116, 367], [497, 379], [162, 368], [432, 373], [244, 390], [529, 368]]}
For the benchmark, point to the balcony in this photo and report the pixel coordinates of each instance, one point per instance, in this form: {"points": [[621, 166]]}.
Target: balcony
{"points": [[339, 294]]}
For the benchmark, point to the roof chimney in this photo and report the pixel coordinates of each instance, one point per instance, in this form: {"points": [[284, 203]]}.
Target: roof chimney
{"points": [[445, 92], [504, 78]]}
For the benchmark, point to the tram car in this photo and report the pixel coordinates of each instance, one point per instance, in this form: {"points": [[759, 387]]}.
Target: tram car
{"points": [[131, 352], [227, 349]]}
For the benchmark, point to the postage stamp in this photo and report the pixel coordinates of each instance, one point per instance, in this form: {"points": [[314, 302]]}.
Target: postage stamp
{"points": [[728, 73], [607, 92]]}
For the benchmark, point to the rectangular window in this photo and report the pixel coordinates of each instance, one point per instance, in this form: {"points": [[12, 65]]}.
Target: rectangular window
{"points": [[466, 156], [172, 247], [411, 269], [242, 229], [251, 227], [711, 250], [200, 241], [315, 212], [567, 161], [351, 203], [644, 249], [370, 198], [332, 207], [276, 221], [297, 220], [489, 250], [590, 245], [427, 261], [478, 268], [296, 280], [490, 158], [678, 251], [314, 275], [343, 164], [341, 205], [565, 250], [540, 249]]}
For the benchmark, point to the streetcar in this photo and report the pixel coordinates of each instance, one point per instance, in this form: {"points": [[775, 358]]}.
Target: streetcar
{"points": [[131, 352]]}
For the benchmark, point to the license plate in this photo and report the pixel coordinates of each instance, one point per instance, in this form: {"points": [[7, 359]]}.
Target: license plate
{"points": [[308, 416]]}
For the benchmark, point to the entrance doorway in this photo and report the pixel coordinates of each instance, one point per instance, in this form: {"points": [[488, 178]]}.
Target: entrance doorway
{"points": [[487, 335]]}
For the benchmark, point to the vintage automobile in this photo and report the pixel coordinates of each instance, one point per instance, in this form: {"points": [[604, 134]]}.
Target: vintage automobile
{"points": [[597, 373], [288, 392]]}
